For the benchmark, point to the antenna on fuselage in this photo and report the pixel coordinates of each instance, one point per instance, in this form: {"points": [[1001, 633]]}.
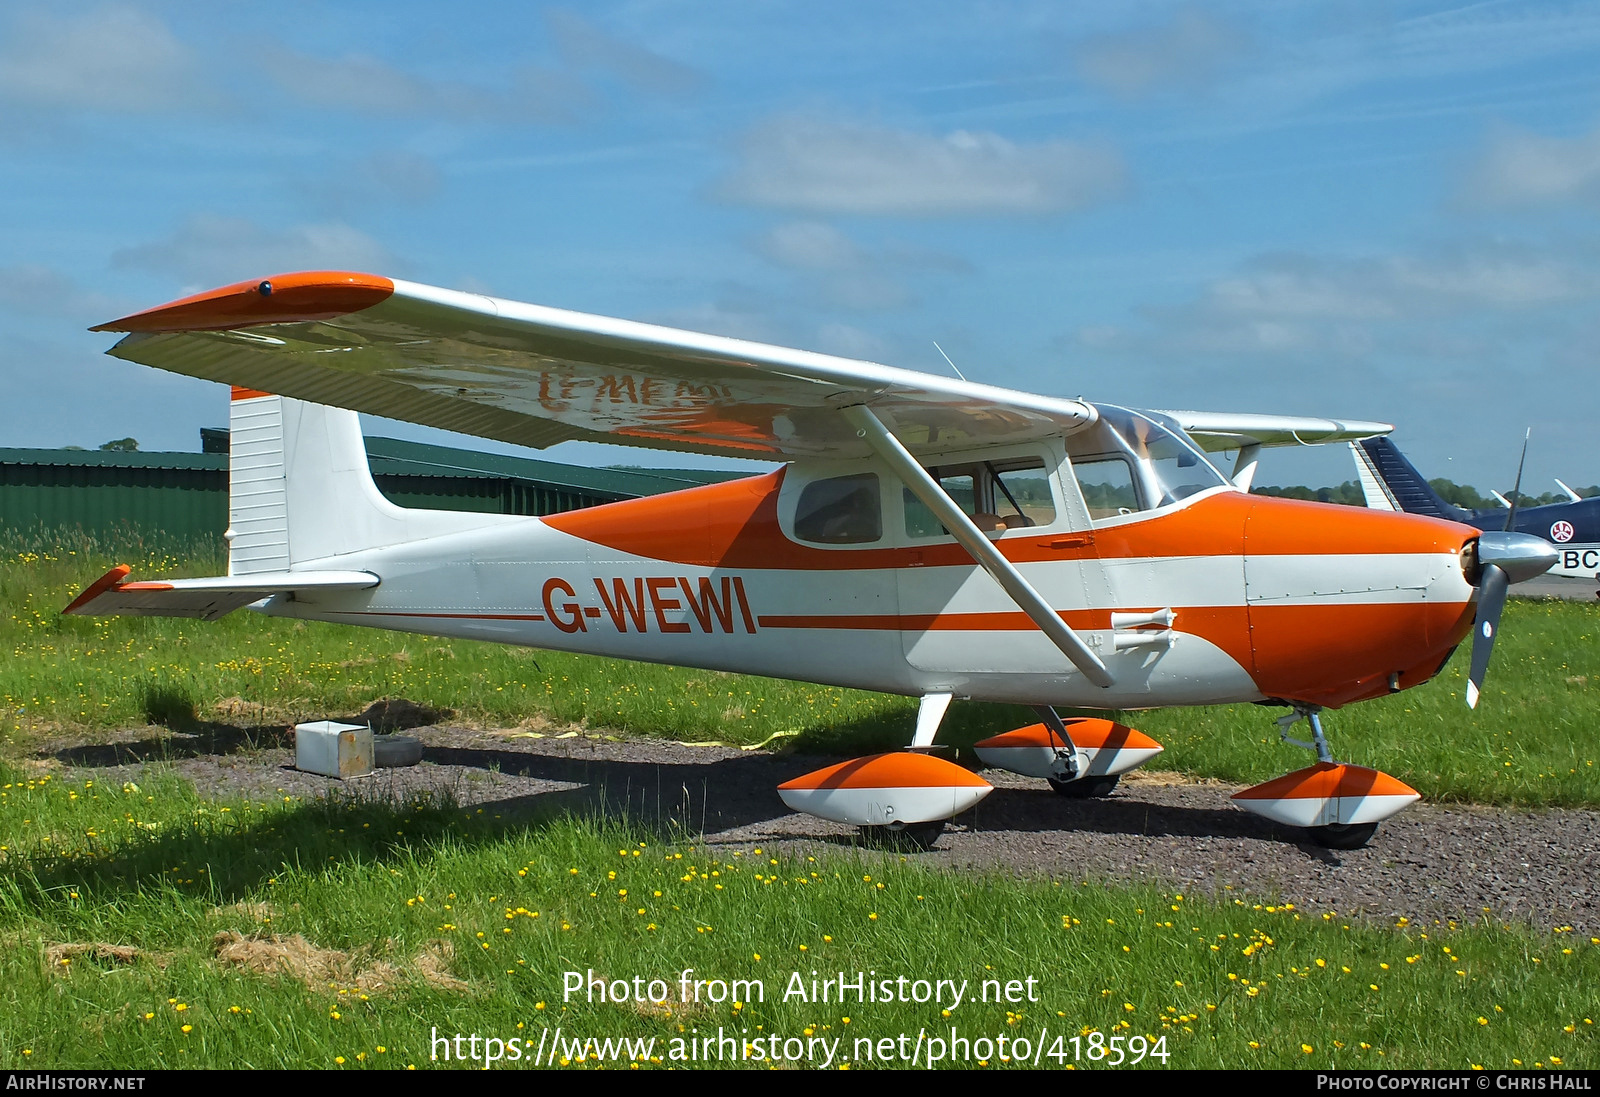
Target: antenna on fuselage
{"points": [[946, 357]]}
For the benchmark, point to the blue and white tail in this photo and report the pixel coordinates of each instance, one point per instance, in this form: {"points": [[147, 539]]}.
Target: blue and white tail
{"points": [[1390, 482]]}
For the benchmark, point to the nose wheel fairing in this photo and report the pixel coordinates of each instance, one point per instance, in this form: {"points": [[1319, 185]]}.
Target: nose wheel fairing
{"points": [[886, 790], [1103, 748], [1329, 794]]}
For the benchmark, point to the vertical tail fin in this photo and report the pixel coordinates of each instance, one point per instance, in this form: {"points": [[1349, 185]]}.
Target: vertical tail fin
{"points": [[300, 489], [1390, 482]]}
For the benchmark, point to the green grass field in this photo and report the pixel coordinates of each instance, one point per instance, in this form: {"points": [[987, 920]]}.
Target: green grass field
{"points": [[151, 927], [373, 925]]}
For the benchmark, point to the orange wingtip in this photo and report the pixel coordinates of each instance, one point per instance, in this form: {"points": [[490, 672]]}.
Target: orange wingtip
{"points": [[1088, 732], [898, 770], [242, 393], [99, 587], [280, 299], [1326, 780]]}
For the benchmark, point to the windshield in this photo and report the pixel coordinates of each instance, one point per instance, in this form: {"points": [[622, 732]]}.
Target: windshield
{"points": [[1166, 465]]}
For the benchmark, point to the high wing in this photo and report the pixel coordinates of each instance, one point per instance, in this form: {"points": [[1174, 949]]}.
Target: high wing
{"points": [[536, 376], [1214, 431]]}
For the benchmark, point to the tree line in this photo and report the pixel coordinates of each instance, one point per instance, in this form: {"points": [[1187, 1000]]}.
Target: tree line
{"points": [[1462, 495]]}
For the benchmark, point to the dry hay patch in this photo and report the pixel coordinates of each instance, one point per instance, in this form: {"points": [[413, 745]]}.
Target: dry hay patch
{"points": [[256, 911], [60, 956], [327, 968]]}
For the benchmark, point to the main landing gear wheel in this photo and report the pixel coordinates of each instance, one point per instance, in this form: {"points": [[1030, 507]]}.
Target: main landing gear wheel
{"points": [[1085, 787], [918, 836], [1343, 835]]}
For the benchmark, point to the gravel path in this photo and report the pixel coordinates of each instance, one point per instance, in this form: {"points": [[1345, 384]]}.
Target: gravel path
{"points": [[1429, 862]]}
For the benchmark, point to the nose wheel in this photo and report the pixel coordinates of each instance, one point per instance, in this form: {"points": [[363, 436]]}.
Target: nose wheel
{"points": [[912, 836], [1084, 788], [1338, 804], [1343, 836]]}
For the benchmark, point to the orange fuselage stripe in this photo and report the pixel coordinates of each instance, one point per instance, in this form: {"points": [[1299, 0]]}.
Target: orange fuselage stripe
{"points": [[735, 525]]}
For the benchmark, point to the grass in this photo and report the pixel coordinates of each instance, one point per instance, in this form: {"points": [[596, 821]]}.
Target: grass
{"points": [[379, 924], [1531, 741]]}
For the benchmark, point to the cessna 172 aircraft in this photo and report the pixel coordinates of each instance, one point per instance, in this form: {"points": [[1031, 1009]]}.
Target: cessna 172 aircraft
{"points": [[924, 536]]}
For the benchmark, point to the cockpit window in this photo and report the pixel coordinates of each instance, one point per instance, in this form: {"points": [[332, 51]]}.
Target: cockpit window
{"points": [[1129, 462], [1107, 484], [841, 510], [1008, 494]]}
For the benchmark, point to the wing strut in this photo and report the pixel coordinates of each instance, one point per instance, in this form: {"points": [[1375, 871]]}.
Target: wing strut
{"points": [[925, 488]]}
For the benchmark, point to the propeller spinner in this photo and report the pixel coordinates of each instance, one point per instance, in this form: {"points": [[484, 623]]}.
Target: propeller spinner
{"points": [[1500, 559]]}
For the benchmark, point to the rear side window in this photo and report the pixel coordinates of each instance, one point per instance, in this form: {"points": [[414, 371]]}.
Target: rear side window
{"points": [[842, 510]]}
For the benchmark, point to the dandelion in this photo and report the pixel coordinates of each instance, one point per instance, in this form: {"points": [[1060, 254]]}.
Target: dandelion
{"points": [[1307, 1048]]}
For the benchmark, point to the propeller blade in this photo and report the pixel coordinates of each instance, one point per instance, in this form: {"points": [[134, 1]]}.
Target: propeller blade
{"points": [[1492, 589], [1499, 559], [1516, 491]]}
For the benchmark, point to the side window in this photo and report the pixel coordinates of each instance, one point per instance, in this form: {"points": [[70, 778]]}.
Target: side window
{"points": [[1012, 494], [842, 510], [959, 482], [1107, 484], [1022, 494]]}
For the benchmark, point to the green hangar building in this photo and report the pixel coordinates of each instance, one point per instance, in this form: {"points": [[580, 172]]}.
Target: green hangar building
{"points": [[185, 495]]}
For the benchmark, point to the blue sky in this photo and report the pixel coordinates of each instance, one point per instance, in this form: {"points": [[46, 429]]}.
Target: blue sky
{"points": [[1377, 210]]}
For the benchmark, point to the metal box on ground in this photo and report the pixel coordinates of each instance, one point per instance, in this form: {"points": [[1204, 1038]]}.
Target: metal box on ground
{"points": [[333, 749]]}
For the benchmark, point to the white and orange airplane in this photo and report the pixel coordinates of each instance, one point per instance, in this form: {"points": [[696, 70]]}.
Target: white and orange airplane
{"points": [[924, 536]]}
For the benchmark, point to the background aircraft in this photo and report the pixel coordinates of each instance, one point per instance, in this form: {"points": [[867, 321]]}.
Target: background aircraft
{"points": [[1390, 482]]}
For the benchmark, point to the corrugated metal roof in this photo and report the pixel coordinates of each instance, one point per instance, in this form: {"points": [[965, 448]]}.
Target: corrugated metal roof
{"points": [[395, 457], [94, 458]]}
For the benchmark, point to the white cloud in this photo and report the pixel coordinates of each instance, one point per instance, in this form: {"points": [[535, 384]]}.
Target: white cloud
{"points": [[840, 168], [584, 44], [851, 342], [35, 290], [1334, 306], [393, 175], [1518, 168], [847, 274], [811, 245], [357, 82], [1452, 280], [209, 250], [1190, 50], [114, 58]]}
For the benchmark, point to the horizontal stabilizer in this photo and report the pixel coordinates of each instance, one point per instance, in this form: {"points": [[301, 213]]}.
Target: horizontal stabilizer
{"points": [[209, 598]]}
